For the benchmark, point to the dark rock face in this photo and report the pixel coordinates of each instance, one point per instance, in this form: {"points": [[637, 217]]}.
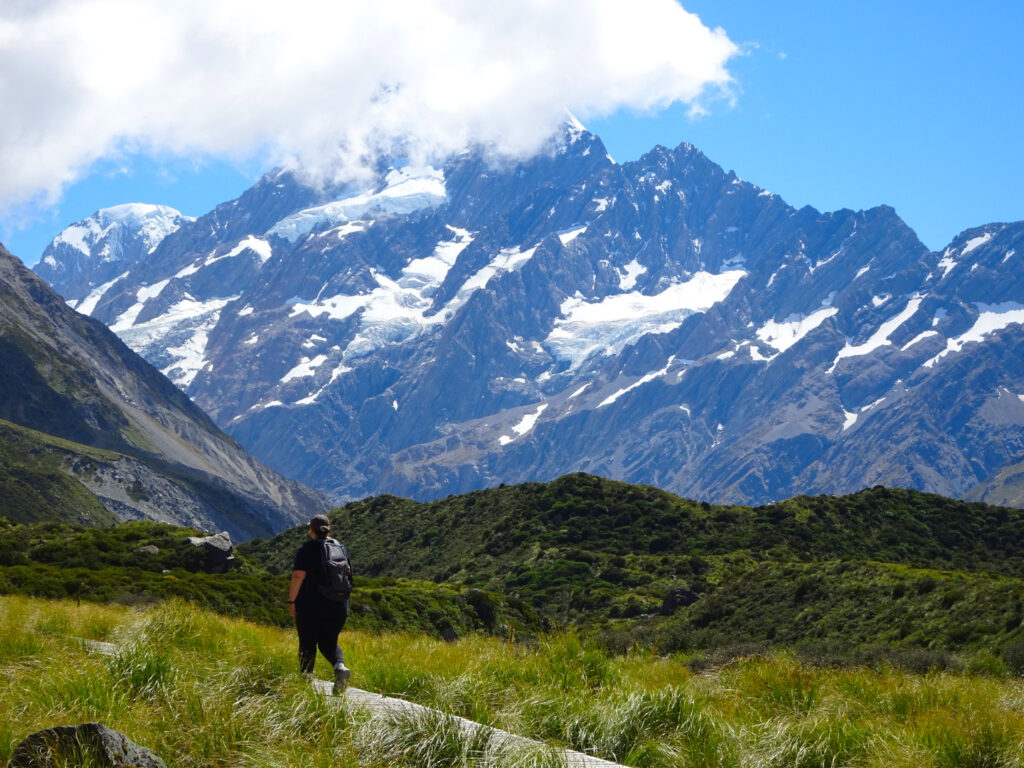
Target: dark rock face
{"points": [[91, 744], [661, 321]]}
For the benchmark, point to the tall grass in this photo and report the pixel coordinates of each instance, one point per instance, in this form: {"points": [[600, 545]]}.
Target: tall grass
{"points": [[203, 690]]}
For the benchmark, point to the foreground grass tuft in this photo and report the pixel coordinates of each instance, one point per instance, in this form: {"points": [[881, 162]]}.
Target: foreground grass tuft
{"points": [[204, 690]]}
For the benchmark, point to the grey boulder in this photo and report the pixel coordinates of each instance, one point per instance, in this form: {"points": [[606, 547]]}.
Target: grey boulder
{"points": [[217, 551], [87, 744]]}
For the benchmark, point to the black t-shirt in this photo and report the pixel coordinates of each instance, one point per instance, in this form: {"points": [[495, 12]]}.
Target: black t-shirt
{"points": [[309, 558]]}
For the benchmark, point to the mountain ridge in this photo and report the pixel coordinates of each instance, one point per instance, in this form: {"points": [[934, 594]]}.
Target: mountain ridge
{"points": [[658, 321], [69, 377]]}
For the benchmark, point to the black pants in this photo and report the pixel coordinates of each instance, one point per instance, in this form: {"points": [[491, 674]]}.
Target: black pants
{"points": [[320, 629]]}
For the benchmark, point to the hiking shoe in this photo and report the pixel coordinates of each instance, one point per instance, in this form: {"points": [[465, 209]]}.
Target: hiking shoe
{"points": [[341, 676]]}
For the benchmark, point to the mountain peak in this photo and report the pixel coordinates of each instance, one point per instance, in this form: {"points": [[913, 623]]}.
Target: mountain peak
{"points": [[661, 321]]}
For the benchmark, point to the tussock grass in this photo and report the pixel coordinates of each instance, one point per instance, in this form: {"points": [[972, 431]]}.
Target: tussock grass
{"points": [[204, 690]]}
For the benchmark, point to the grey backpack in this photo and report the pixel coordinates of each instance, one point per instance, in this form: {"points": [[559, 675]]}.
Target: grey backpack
{"points": [[335, 581]]}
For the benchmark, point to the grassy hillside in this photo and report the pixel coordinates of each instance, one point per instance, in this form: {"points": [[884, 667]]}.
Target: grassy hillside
{"points": [[43, 474], [642, 564], [183, 666], [35, 488], [631, 564], [841, 605], [119, 565], [480, 534]]}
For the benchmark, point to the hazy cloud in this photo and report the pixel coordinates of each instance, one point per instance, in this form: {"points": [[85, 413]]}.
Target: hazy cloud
{"points": [[327, 82]]}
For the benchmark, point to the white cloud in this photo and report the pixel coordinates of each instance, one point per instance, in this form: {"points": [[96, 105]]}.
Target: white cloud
{"points": [[85, 79]]}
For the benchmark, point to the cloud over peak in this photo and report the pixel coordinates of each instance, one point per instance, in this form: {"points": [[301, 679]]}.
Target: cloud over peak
{"points": [[327, 83]]}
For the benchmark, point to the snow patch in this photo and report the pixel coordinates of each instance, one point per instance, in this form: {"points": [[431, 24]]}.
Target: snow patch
{"points": [[189, 270], [571, 234], [150, 223], [976, 242], [428, 273], [79, 236], [397, 310], [88, 305], [880, 337], [991, 318], [507, 260], [261, 248], [947, 263], [524, 426], [919, 337], [628, 275], [782, 336], [306, 367], [127, 318], [611, 324], [145, 293], [189, 321], [638, 383], [579, 391], [311, 399], [405, 191], [849, 420]]}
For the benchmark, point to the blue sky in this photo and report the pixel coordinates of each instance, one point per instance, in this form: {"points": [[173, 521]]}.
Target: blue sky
{"points": [[918, 106]]}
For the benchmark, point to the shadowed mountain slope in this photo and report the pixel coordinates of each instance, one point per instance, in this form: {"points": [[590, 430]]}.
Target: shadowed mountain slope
{"points": [[105, 416]]}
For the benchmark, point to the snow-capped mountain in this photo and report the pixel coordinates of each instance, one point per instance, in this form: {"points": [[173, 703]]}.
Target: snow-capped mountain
{"points": [[661, 321], [88, 256]]}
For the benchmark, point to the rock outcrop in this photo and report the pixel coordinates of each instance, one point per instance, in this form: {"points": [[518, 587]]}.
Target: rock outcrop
{"points": [[91, 744]]}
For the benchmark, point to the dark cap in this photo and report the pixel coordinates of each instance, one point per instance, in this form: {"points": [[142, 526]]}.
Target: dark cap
{"points": [[320, 524]]}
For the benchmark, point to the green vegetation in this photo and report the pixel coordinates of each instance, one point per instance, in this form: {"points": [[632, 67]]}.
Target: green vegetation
{"points": [[232, 691], [916, 579], [40, 470], [33, 485], [143, 562], [839, 606], [839, 577]]}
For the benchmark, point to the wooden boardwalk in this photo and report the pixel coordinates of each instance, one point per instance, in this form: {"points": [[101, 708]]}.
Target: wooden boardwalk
{"points": [[379, 704]]}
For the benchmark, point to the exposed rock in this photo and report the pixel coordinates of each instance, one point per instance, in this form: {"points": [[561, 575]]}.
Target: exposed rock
{"points": [[217, 549], [148, 549], [678, 598], [92, 744]]}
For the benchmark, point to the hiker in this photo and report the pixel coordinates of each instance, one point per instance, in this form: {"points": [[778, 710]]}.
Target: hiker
{"points": [[319, 600]]}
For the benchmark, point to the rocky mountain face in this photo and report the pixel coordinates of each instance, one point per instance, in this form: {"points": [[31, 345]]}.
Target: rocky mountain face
{"points": [[106, 416], [659, 321], [104, 247]]}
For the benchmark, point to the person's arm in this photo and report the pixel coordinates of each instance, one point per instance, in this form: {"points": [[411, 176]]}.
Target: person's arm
{"points": [[293, 589]]}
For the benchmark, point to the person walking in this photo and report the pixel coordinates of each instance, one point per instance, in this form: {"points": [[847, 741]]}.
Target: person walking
{"points": [[319, 608]]}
